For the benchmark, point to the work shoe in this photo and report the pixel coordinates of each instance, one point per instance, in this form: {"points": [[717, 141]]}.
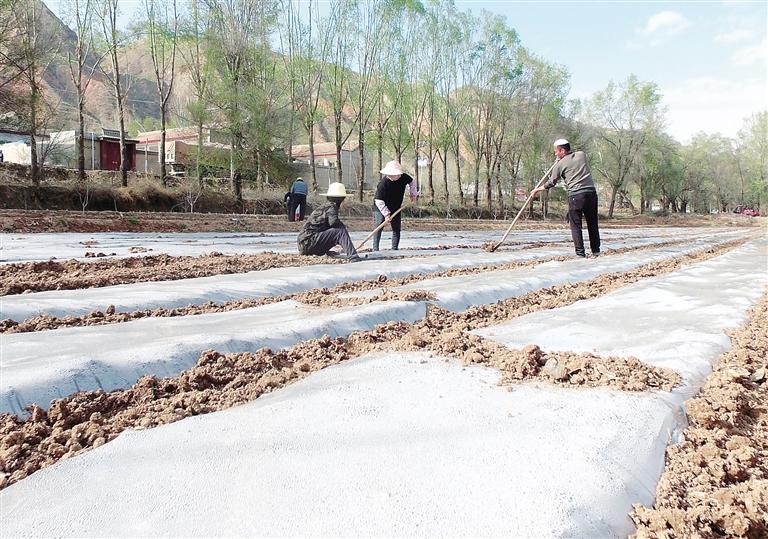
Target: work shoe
{"points": [[581, 255], [595, 255]]}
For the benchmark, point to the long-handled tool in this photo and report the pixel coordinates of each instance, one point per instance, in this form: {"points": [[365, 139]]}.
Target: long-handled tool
{"points": [[528, 201], [369, 236]]}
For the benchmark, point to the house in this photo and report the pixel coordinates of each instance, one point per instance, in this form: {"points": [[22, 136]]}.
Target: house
{"points": [[15, 147], [181, 147], [326, 164], [102, 149]]}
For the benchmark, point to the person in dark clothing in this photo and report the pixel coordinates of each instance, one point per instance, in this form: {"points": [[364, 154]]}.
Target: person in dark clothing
{"points": [[324, 230], [2, 158], [573, 169], [298, 199], [287, 200], [389, 198]]}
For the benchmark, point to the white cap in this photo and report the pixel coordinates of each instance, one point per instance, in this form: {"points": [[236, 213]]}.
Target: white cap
{"points": [[336, 190], [561, 142], [392, 168]]}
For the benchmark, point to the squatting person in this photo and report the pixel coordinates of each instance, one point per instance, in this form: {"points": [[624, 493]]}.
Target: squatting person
{"points": [[573, 169], [324, 230], [389, 198]]}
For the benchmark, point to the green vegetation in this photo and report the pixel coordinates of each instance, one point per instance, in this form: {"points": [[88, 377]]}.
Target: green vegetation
{"points": [[414, 80]]}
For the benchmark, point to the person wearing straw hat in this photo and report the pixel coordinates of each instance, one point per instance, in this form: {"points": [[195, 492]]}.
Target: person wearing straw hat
{"points": [[324, 230], [388, 199], [298, 200], [573, 169]]}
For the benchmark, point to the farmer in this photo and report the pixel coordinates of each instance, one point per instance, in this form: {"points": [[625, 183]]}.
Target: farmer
{"points": [[573, 169], [389, 198], [298, 200], [287, 200], [324, 230]]}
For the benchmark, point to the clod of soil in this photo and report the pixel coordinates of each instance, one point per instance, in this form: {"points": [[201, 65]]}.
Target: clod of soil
{"points": [[716, 480]]}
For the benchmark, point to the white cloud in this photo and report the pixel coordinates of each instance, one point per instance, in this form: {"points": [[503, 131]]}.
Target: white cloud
{"points": [[712, 105], [755, 54], [665, 22], [734, 36]]}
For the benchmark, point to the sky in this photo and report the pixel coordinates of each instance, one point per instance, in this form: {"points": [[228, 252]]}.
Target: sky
{"points": [[708, 58]]}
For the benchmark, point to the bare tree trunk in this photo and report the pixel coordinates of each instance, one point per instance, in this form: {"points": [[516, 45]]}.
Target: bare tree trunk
{"points": [[34, 164], [614, 190], [361, 172], [459, 189], [80, 142], [312, 159], [161, 150], [198, 168]]}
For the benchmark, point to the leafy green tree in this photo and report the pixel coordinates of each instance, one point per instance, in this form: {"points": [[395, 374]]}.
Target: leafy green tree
{"points": [[623, 116]]}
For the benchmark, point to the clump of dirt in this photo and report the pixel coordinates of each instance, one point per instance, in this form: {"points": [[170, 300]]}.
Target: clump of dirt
{"points": [[446, 335], [716, 480], [74, 274]]}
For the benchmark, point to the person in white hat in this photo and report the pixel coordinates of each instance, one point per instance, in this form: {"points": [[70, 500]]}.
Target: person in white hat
{"points": [[324, 230], [573, 169], [298, 200], [388, 199]]}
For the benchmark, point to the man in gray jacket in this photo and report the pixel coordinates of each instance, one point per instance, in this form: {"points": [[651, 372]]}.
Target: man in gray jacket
{"points": [[573, 169]]}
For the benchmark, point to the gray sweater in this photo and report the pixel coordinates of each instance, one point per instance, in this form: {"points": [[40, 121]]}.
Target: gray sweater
{"points": [[573, 169]]}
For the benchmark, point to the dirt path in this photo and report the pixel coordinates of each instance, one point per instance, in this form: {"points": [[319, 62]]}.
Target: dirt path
{"points": [[25, 221], [716, 480], [90, 419], [78, 275]]}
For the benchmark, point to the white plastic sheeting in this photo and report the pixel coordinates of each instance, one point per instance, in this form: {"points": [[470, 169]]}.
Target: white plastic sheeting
{"points": [[398, 445], [39, 367], [401, 444], [116, 355], [220, 288], [675, 320], [43, 246]]}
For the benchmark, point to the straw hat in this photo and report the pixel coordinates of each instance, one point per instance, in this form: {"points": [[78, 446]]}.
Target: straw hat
{"points": [[336, 189], [561, 142], [392, 168]]}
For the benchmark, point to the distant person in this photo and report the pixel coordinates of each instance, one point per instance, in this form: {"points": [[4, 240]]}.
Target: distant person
{"points": [[287, 200], [2, 158], [298, 199], [388, 199], [324, 230], [573, 169]]}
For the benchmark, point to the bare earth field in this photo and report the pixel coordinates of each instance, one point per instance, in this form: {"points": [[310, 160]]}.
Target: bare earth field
{"points": [[124, 332]]}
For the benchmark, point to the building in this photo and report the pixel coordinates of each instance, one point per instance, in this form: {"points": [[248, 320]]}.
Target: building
{"points": [[181, 148], [16, 149], [326, 164], [102, 150]]}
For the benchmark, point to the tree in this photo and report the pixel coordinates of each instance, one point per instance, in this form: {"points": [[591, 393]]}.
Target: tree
{"points": [[237, 31], [82, 67], [31, 49], [162, 32], [753, 157], [372, 18], [192, 42], [623, 116], [112, 45], [308, 44]]}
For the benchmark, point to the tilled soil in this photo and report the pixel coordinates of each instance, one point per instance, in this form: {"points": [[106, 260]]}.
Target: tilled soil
{"points": [[73, 274], [317, 296], [89, 419], [716, 480], [22, 278]]}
